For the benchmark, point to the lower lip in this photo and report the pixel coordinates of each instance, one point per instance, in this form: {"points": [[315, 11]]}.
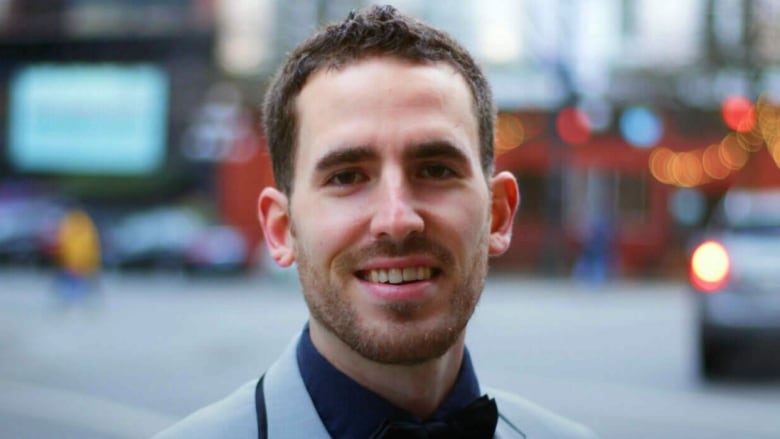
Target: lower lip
{"points": [[410, 292]]}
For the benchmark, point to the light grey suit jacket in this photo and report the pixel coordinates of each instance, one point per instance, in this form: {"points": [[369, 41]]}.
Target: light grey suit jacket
{"points": [[291, 413]]}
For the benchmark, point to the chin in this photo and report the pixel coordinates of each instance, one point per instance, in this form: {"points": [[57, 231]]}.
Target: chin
{"points": [[404, 342]]}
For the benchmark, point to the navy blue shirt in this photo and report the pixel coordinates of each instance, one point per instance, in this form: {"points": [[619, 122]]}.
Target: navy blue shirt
{"points": [[349, 410]]}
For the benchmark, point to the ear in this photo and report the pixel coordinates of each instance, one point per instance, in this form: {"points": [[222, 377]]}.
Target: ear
{"points": [[506, 199], [275, 221]]}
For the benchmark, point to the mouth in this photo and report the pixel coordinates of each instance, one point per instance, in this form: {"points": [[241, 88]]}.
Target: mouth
{"points": [[397, 276]]}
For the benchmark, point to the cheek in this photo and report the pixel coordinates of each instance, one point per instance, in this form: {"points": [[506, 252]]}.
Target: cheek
{"points": [[475, 229], [324, 229], [470, 221]]}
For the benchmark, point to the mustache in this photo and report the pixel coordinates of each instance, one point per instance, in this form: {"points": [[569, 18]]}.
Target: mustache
{"points": [[391, 248]]}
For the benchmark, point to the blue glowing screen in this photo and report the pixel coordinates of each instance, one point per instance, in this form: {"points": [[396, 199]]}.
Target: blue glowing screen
{"points": [[108, 119]]}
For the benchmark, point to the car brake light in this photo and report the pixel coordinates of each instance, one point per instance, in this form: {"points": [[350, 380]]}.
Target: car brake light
{"points": [[710, 266]]}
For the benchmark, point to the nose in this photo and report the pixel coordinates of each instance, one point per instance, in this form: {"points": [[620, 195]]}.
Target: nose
{"points": [[396, 215]]}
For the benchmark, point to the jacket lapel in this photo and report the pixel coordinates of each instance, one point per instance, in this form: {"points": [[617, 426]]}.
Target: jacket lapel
{"points": [[290, 411]]}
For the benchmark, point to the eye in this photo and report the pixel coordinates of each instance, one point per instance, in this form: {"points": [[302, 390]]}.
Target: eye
{"points": [[438, 172], [346, 178]]}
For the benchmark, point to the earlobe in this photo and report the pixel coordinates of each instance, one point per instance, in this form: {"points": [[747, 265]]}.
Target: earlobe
{"points": [[506, 199], [275, 221]]}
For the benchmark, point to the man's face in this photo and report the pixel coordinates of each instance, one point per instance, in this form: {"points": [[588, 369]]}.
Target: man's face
{"points": [[390, 215]]}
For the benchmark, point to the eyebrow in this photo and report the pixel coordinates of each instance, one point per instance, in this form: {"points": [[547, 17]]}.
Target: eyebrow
{"points": [[363, 153], [342, 156], [436, 149]]}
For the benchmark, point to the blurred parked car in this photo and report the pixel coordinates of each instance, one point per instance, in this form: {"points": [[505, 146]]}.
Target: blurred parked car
{"points": [[735, 272], [28, 229], [218, 249], [175, 238]]}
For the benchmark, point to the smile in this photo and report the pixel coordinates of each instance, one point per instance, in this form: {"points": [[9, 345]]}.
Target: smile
{"points": [[397, 275]]}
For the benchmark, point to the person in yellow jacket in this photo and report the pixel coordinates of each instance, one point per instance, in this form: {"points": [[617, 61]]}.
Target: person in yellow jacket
{"points": [[78, 251]]}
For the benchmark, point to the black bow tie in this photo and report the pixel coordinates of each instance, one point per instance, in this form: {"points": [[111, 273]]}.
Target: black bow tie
{"points": [[477, 421]]}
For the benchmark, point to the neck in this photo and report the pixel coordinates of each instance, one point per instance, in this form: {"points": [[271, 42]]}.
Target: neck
{"points": [[419, 388]]}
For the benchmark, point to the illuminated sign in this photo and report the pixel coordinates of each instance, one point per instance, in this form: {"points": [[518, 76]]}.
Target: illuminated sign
{"points": [[108, 119]]}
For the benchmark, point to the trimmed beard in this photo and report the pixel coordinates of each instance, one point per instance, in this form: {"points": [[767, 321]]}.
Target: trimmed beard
{"points": [[400, 339]]}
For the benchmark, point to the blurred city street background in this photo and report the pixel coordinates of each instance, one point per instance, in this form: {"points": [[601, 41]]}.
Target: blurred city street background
{"points": [[637, 130]]}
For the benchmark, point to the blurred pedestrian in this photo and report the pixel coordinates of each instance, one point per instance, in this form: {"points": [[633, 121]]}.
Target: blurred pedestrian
{"points": [[78, 257], [381, 136], [597, 261]]}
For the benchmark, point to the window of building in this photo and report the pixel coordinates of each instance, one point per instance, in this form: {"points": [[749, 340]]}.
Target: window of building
{"points": [[595, 194]]}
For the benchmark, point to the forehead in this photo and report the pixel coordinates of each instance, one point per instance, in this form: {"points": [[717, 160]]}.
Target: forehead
{"points": [[385, 101], [385, 66]]}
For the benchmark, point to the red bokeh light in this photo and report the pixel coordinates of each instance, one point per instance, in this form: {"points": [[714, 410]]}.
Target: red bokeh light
{"points": [[738, 113], [573, 126]]}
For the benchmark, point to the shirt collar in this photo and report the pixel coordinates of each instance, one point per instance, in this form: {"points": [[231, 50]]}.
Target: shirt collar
{"points": [[348, 410]]}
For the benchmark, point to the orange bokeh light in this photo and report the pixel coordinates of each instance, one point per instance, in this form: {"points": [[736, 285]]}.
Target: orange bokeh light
{"points": [[510, 132], [687, 169], [731, 153], [712, 164], [750, 141], [768, 120], [774, 150], [659, 163]]}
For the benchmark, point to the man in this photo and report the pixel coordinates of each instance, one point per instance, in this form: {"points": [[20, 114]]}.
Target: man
{"points": [[381, 134]]}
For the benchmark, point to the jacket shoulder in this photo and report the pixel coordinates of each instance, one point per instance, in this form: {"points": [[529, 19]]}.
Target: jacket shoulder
{"points": [[526, 419], [232, 417]]}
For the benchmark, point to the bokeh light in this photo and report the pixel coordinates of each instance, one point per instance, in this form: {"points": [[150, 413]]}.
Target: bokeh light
{"points": [[660, 159], [687, 169], [696, 167], [731, 152], [750, 141], [510, 132], [710, 266], [768, 120], [641, 126], [572, 126], [738, 113], [774, 151], [719, 161], [687, 206], [712, 164]]}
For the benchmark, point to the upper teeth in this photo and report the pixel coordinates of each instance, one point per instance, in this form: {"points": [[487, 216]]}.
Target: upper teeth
{"points": [[398, 275]]}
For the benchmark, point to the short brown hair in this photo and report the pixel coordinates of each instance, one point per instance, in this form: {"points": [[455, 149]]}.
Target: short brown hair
{"points": [[378, 30]]}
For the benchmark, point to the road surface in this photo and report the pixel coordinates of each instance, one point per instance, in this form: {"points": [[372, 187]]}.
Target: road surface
{"points": [[154, 347]]}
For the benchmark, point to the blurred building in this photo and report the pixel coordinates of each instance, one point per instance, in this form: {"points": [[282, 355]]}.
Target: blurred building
{"points": [[635, 113], [632, 112]]}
